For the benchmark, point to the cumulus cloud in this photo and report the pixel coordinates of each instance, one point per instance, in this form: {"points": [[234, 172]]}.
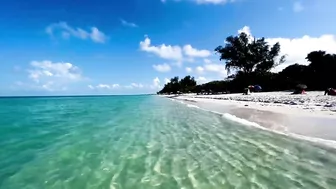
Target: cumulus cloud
{"points": [[174, 53], [162, 67], [207, 61], [51, 76], [216, 68], [199, 69], [166, 80], [192, 52], [115, 86], [104, 86], [164, 51], [46, 69], [212, 68], [128, 24], [156, 84], [201, 80], [246, 30], [137, 85], [297, 48], [188, 69], [67, 31]]}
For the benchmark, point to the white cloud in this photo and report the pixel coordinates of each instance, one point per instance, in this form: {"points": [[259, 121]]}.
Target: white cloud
{"points": [[298, 7], [128, 24], [199, 69], [188, 69], [207, 61], [164, 51], [67, 31], [210, 68], [201, 80], [162, 67], [246, 30], [115, 86], [156, 84], [137, 85], [50, 76], [216, 68], [297, 48], [103, 86], [97, 36], [46, 69], [166, 80], [175, 53], [192, 52]]}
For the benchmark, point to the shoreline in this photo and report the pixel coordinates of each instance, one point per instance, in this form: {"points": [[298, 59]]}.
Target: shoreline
{"points": [[312, 125]]}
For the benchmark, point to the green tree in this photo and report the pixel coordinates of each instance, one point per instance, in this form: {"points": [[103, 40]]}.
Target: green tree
{"points": [[187, 84], [242, 53], [175, 85], [323, 69]]}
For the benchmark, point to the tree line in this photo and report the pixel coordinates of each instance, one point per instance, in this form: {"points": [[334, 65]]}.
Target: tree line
{"points": [[251, 60]]}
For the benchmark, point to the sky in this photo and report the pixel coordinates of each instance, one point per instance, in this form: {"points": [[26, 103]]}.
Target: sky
{"points": [[85, 47]]}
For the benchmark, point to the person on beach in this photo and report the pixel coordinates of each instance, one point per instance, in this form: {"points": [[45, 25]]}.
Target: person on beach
{"points": [[246, 91], [330, 91]]}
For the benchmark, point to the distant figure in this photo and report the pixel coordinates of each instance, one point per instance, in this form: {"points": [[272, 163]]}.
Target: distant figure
{"points": [[251, 88], [330, 91], [300, 89], [246, 91]]}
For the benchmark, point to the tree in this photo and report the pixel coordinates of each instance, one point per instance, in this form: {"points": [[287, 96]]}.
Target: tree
{"points": [[242, 53], [187, 84], [323, 69], [175, 85]]}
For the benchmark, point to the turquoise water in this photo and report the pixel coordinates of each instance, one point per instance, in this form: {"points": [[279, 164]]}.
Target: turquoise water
{"points": [[145, 142]]}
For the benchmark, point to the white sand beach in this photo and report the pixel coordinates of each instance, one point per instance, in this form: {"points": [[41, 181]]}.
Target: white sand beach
{"points": [[311, 114], [282, 102]]}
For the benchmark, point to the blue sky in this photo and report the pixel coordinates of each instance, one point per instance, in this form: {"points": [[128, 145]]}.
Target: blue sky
{"points": [[133, 46]]}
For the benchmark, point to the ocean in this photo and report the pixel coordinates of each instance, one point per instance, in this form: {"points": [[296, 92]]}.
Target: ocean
{"points": [[146, 142]]}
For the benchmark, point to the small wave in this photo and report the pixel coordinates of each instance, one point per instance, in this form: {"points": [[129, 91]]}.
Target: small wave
{"points": [[192, 106], [329, 143]]}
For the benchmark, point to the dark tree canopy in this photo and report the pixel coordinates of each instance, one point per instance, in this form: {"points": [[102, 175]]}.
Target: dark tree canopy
{"points": [[242, 53], [187, 84]]}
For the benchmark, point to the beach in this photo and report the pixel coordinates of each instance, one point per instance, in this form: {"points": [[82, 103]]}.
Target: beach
{"points": [[309, 115]]}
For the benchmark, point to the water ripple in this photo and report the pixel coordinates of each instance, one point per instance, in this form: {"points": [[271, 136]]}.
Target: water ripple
{"points": [[148, 142]]}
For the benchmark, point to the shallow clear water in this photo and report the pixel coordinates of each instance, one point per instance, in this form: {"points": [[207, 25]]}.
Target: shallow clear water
{"points": [[144, 142]]}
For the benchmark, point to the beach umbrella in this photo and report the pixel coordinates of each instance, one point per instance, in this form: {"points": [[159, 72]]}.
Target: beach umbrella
{"points": [[301, 86], [257, 87], [250, 86]]}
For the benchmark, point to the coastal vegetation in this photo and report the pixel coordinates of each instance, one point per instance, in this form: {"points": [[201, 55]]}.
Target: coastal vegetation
{"points": [[249, 61]]}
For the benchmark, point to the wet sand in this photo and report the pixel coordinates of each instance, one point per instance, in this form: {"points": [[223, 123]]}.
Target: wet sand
{"points": [[317, 126]]}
